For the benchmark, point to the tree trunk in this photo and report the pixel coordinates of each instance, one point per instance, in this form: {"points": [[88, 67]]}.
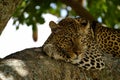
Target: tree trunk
{"points": [[33, 64], [78, 8], [7, 8]]}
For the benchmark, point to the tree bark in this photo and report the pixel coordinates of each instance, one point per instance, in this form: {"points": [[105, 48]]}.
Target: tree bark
{"points": [[34, 64], [7, 8]]}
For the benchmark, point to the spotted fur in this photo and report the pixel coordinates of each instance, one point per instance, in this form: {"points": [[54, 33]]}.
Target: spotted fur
{"points": [[69, 42], [108, 39]]}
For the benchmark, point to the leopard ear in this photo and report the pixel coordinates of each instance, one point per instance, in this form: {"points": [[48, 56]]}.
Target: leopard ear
{"points": [[85, 25], [93, 26], [53, 26]]}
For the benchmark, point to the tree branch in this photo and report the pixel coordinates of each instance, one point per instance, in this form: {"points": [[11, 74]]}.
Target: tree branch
{"points": [[33, 64], [7, 8], [77, 7]]}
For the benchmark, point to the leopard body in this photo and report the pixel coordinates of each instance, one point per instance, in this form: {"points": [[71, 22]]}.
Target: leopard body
{"points": [[70, 41], [108, 39]]}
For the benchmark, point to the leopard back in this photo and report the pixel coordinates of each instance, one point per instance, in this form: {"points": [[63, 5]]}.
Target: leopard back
{"points": [[108, 39]]}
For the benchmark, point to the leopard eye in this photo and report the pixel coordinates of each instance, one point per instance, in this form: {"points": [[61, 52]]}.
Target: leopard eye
{"points": [[84, 22]]}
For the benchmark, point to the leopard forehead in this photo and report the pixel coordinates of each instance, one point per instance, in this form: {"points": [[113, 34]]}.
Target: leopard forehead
{"points": [[67, 21], [69, 24]]}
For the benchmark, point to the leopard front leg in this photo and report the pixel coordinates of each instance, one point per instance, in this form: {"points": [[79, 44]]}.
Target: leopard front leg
{"points": [[52, 51], [60, 53]]}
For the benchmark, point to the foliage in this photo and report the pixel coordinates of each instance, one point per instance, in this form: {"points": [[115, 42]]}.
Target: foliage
{"points": [[108, 10], [30, 11]]}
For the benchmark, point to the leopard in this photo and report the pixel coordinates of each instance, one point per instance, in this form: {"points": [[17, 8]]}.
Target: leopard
{"points": [[108, 39], [69, 42]]}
